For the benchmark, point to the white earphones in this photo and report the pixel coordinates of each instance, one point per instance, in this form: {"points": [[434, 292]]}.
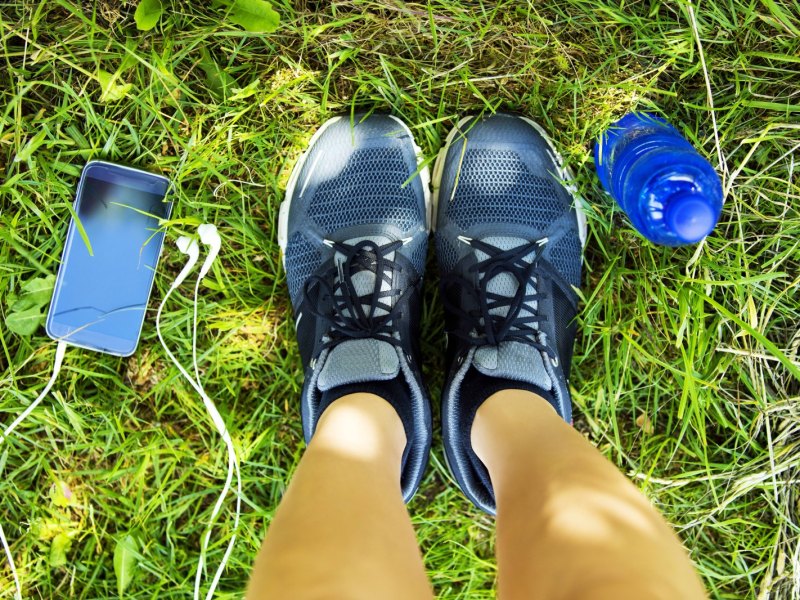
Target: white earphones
{"points": [[210, 237], [187, 246]]}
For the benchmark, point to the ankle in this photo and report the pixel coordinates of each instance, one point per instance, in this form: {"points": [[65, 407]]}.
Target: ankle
{"points": [[505, 423], [362, 426]]}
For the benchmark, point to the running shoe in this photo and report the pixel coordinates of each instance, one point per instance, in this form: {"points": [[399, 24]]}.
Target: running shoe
{"points": [[509, 242], [354, 231]]}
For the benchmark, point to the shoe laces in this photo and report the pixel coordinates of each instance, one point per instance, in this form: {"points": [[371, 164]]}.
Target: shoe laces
{"points": [[355, 315], [498, 317]]}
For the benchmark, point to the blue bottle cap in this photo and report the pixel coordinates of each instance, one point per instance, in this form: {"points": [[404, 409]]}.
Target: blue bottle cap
{"points": [[690, 217]]}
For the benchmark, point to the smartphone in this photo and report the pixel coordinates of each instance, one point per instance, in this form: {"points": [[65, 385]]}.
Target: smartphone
{"points": [[110, 257]]}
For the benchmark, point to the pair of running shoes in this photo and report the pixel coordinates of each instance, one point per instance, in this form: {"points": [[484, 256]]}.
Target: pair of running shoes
{"points": [[509, 234]]}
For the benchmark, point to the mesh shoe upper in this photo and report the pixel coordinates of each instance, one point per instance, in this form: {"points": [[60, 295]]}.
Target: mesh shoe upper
{"points": [[354, 232], [509, 244]]}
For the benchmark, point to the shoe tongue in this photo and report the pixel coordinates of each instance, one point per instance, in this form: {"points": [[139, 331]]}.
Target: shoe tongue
{"points": [[510, 360], [357, 361], [513, 360]]}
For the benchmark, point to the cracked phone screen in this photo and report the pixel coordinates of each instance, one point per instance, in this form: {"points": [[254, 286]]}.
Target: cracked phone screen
{"points": [[103, 286]]}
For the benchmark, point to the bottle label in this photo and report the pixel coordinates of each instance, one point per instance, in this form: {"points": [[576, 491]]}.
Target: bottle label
{"points": [[627, 136]]}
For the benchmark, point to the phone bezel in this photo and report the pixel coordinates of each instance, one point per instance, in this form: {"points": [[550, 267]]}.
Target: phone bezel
{"points": [[50, 322]]}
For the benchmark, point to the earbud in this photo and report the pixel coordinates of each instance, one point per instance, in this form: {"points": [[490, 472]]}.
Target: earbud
{"points": [[209, 236], [189, 247]]}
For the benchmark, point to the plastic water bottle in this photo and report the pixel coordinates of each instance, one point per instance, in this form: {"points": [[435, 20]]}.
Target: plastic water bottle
{"points": [[671, 194]]}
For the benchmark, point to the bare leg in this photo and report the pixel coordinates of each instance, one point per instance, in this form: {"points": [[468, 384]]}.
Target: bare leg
{"points": [[569, 525], [342, 530]]}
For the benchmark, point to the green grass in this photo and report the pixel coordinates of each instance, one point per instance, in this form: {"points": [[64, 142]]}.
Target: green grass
{"points": [[701, 343]]}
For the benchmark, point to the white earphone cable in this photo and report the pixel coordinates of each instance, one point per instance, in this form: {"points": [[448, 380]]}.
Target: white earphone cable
{"points": [[10, 559], [61, 350], [219, 423], [233, 465]]}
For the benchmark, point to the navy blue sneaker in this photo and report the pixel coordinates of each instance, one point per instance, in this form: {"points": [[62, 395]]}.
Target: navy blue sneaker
{"points": [[509, 241], [354, 233]]}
